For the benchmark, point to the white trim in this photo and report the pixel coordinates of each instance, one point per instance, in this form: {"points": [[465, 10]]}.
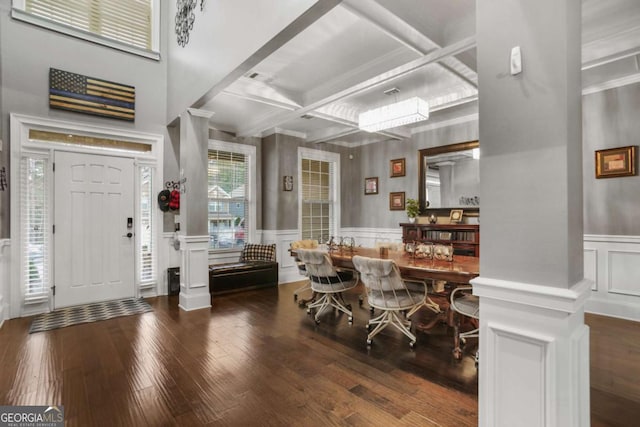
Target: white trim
{"points": [[566, 300], [611, 238], [197, 112], [18, 13], [325, 156], [250, 152], [282, 131], [19, 128], [612, 84]]}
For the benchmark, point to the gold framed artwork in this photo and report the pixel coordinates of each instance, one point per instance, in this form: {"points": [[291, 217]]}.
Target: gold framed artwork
{"points": [[396, 201], [397, 168], [615, 162], [455, 216], [371, 185]]}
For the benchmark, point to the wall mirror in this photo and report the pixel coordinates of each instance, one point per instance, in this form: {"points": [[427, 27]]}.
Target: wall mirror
{"points": [[450, 176]]}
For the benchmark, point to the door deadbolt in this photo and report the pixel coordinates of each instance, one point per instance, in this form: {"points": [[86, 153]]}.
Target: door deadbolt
{"points": [[129, 235]]}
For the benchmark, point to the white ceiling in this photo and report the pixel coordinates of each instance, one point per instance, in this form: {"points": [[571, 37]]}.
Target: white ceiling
{"points": [[318, 82]]}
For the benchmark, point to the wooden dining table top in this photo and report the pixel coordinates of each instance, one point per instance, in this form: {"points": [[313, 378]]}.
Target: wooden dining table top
{"points": [[461, 270]]}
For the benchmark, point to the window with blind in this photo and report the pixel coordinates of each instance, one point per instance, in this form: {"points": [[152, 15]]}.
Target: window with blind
{"points": [[116, 23], [34, 214], [228, 199], [317, 199], [146, 227]]}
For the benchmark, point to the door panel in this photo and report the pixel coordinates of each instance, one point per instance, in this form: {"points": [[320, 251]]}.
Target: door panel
{"points": [[93, 257]]}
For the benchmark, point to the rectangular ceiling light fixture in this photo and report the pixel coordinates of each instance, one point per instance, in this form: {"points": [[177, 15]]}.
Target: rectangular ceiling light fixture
{"points": [[393, 115]]}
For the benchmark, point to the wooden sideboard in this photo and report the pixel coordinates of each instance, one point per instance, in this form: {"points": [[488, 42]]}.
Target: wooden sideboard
{"points": [[465, 238]]}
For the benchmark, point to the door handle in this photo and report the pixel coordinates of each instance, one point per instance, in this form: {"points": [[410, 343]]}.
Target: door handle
{"points": [[129, 235]]}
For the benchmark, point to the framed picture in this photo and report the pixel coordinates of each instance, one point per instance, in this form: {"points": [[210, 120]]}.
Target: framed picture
{"points": [[455, 216], [397, 168], [371, 185], [287, 182], [396, 201], [615, 162]]}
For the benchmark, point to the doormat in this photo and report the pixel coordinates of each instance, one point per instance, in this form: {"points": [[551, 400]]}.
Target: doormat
{"points": [[88, 313]]}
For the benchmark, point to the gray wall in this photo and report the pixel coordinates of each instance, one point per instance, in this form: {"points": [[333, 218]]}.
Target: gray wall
{"points": [[26, 54], [279, 158], [373, 160], [610, 119]]}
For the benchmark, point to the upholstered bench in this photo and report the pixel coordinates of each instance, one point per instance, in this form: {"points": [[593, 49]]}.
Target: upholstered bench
{"points": [[256, 268]]}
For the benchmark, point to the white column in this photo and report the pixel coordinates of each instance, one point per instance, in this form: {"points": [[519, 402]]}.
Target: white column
{"points": [[534, 345], [194, 282], [194, 238]]}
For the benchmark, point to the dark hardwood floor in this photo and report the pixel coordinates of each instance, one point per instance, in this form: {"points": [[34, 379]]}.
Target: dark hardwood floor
{"points": [[256, 359]]}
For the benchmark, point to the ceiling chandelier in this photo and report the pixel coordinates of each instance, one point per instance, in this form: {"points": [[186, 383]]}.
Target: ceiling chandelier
{"points": [[185, 18], [389, 116]]}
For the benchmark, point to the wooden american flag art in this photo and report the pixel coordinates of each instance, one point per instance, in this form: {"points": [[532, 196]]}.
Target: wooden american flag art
{"points": [[75, 92]]}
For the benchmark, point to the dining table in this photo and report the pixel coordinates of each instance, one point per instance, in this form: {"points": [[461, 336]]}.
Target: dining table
{"points": [[459, 271]]}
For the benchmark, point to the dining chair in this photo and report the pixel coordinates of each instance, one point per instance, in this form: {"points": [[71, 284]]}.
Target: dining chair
{"points": [[302, 270], [388, 292], [467, 305], [327, 282]]}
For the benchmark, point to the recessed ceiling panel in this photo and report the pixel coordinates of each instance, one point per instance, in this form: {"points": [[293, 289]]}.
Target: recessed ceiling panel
{"points": [[232, 112]]}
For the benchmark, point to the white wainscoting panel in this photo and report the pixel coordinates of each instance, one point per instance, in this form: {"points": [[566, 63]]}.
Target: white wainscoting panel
{"points": [[287, 269], [615, 263], [527, 354], [533, 363], [5, 254], [624, 272], [168, 256], [591, 267], [194, 273]]}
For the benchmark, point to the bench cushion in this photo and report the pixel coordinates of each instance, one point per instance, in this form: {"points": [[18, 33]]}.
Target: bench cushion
{"points": [[257, 252]]}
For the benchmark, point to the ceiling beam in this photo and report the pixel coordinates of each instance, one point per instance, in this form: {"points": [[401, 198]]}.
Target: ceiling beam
{"points": [[400, 30], [379, 80], [304, 21]]}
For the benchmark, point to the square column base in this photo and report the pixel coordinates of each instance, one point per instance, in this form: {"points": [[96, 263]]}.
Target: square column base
{"points": [[194, 277], [534, 354]]}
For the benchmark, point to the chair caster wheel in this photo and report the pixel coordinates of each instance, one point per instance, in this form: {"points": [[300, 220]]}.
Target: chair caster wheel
{"points": [[308, 311], [412, 345], [348, 306], [369, 342], [371, 310], [360, 302], [368, 328], [295, 297], [317, 322], [350, 320]]}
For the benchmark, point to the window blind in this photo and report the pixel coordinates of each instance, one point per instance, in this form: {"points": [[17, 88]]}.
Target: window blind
{"points": [[228, 199], [127, 21], [147, 251], [35, 227], [317, 203]]}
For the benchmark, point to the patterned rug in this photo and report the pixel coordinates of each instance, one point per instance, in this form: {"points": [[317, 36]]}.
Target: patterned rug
{"points": [[88, 313]]}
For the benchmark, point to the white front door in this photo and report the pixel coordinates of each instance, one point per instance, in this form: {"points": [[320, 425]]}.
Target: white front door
{"points": [[93, 204]]}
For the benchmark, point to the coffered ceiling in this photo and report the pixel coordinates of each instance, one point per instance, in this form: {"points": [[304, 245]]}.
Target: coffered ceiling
{"points": [[317, 83]]}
